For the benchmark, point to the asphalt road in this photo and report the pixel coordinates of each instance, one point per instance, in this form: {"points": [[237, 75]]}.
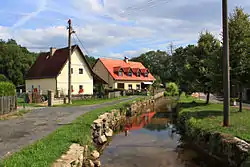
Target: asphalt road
{"points": [[20, 132]]}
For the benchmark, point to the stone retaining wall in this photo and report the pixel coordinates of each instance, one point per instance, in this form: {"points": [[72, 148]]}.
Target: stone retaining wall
{"points": [[101, 130], [232, 150]]}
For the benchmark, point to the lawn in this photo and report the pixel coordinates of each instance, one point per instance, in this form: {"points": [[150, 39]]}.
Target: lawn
{"points": [[21, 103], [91, 101], [45, 151], [210, 117]]}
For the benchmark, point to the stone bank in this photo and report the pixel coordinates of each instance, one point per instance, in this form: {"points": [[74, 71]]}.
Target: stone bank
{"points": [[102, 129]]}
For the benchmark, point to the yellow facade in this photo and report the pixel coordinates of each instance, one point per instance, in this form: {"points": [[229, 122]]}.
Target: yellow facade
{"points": [[43, 84], [85, 79], [102, 72], [61, 82], [128, 84]]}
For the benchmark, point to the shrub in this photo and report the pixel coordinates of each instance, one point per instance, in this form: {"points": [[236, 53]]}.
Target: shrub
{"points": [[7, 89], [171, 90], [3, 78]]}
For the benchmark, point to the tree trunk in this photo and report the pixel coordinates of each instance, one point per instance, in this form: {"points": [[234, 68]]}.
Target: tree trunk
{"points": [[208, 97], [241, 98]]}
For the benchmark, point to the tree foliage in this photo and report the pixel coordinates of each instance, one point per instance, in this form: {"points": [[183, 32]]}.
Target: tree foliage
{"points": [[172, 89], [199, 67], [7, 89], [15, 61]]}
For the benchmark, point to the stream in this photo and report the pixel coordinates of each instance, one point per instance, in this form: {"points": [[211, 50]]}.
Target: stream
{"points": [[151, 140]]}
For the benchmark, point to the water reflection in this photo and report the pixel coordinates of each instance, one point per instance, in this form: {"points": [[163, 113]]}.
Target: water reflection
{"points": [[150, 140]]}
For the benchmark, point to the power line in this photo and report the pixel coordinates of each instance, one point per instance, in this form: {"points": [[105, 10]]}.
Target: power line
{"points": [[81, 44]]}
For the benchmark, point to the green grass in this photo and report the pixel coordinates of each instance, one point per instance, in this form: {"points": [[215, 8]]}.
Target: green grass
{"points": [[91, 101], [210, 118], [20, 102], [45, 151]]}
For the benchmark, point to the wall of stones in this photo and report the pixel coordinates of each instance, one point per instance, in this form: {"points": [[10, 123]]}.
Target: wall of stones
{"points": [[102, 130], [232, 150]]}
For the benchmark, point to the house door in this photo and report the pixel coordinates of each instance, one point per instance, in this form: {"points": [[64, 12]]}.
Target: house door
{"points": [[120, 85]]}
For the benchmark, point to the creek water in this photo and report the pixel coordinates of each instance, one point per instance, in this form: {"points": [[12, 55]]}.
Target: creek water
{"points": [[152, 141]]}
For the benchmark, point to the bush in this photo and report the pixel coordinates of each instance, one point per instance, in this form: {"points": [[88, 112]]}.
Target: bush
{"points": [[7, 89], [171, 90], [3, 78]]}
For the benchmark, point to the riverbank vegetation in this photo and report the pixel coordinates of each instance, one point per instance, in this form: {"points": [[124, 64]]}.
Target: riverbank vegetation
{"points": [[47, 150], [202, 118]]}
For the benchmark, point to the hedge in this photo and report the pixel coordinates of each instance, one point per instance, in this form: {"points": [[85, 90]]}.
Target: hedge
{"points": [[7, 89]]}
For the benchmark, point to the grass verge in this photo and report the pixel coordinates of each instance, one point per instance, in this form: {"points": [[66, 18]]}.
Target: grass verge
{"points": [[14, 114], [90, 101], [47, 150], [210, 118]]}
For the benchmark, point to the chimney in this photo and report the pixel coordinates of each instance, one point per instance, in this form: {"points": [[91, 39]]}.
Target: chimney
{"points": [[52, 51], [126, 59]]}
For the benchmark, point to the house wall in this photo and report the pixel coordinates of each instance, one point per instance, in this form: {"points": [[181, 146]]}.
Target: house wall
{"points": [[127, 83], [103, 73], [85, 79], [45, 84]]}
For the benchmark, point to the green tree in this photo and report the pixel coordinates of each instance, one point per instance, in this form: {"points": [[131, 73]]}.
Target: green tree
{"points": [[239, 41], [157, 82], [207, 56], [172, 89], [15, 61], [91, 60], [158, 62], [3, 78]]}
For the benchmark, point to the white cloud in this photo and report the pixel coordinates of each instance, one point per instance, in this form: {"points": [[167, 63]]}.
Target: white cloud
{"points": [[121, 27]]}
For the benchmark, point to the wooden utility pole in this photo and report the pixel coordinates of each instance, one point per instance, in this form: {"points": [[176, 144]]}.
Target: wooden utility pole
{"points": [[69, 65], [226, 73], [171, 48]]}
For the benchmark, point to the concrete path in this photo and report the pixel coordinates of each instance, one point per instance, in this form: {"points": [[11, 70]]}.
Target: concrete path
{"points": [[20, 132]]}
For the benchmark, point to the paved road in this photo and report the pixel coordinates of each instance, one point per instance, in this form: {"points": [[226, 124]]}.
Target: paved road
{"points": [[20, 132], [215, 99]]}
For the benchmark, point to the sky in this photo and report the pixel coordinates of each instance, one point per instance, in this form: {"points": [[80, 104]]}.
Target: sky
{"points": [[111, 28]]}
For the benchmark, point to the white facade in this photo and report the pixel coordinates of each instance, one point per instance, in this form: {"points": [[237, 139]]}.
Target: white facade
{"points": [[81, 77]]}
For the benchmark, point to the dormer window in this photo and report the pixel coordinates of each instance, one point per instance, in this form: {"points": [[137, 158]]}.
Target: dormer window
{"points": [[138, 74], [130, 73], [120, 73]]}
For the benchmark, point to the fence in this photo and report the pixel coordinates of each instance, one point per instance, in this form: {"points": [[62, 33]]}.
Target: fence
{"points": [[7, 104]]}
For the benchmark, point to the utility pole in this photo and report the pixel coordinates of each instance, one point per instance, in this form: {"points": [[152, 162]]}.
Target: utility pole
{"points": [[226, 72], [171, 48], [69, 65]]}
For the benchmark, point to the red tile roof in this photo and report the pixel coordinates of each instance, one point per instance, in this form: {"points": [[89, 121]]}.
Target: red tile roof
{"points": [[111, 63]]}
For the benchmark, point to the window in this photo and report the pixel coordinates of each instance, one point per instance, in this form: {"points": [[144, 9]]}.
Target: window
{"points": [[138, 87], [72, 88], [72, 70], [80, 89], [146, 74], [130, 73], [120, 85], [130, 86], [120, 73], [80, 71], [138, 74]]}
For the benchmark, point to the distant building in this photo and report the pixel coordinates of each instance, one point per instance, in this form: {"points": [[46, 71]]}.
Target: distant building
{"points": [[50, 72], [123, 74]]}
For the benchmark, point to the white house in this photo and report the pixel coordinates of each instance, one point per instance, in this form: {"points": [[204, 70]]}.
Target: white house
{"points": [[50, 72]]}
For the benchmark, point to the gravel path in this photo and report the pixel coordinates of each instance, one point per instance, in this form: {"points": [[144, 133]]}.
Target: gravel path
{"points": [[20, 132]]}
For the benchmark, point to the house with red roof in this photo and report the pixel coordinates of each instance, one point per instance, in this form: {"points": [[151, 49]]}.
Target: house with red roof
{"points": [[50, 72], [123, 74]]}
